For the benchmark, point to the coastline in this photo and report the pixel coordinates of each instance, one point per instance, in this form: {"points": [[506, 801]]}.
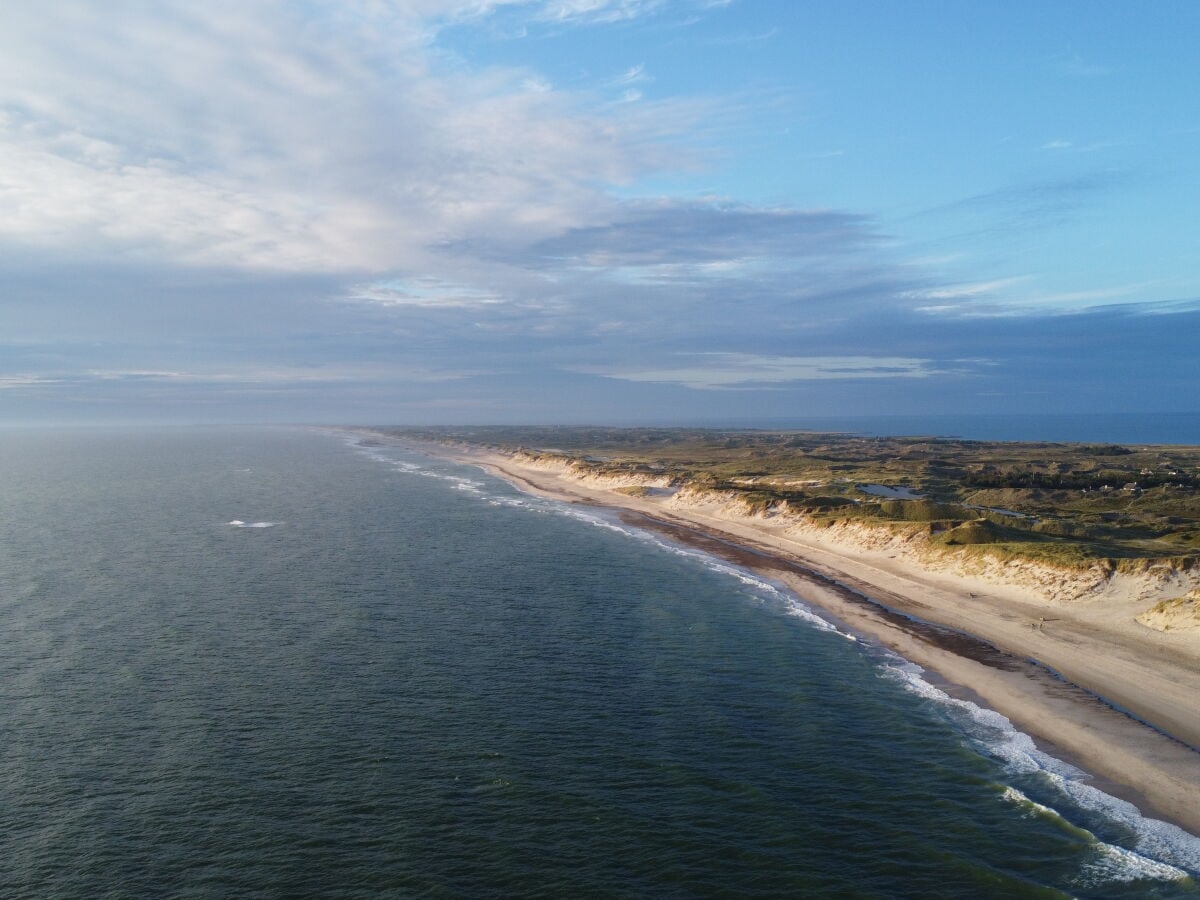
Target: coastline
{"points": [[1129, 719]]}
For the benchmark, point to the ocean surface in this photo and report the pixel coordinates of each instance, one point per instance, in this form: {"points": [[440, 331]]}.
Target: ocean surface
{"points": [[282, 663]]}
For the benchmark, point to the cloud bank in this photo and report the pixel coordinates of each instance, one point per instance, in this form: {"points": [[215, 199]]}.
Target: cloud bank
{"points": [[290, 137], [317, 210]]}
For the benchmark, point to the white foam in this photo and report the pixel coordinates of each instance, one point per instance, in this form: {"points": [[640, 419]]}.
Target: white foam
{"points": [[1162, 842], [238, 523], [1159, 843], [1168, 849], [1032, 808], [758, 587], [1014, 796], [1109, 862], [986, 726], [506, 501], [1113, 863]]}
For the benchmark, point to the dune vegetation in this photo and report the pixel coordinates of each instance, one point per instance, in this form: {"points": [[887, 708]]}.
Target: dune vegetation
{"points": [[1126, 507]]}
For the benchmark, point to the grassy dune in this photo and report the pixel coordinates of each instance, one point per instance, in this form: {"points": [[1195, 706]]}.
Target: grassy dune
{"points": [[1070, 504]]}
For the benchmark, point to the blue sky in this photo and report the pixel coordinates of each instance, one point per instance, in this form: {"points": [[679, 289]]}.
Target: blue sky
{"points": [[596, 210]]}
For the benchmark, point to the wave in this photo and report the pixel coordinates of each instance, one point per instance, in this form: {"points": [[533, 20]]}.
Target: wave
{"points": [[1113, 863], [1040, 810], [1163, 850], [1108, 862], [757, 586], [238, 523]]}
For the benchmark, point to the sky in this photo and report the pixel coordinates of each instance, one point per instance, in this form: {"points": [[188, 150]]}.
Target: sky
{"points": [[606, 211]]}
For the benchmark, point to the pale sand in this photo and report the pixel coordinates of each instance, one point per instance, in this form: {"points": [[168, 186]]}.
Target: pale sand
{"points": [[1156, 680]]}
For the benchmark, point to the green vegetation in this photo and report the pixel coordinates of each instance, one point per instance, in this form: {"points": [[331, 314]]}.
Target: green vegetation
{"points": [[1127, 507], [634, 490]]}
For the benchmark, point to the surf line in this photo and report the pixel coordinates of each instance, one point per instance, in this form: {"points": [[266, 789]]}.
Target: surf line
{"points": [[962, 643], [1025, 685]]}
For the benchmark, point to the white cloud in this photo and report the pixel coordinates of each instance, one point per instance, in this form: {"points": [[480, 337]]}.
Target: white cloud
{"points": [[242, 376], [969, 290], [24, 380], [632, 75], [999, 298], [744, 38], [598, 10], [1065, 301], [427, 292], [133, 375], [268, 136], [1061, 144], [723, 371]]}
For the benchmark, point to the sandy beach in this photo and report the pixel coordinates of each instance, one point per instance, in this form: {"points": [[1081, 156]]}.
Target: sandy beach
{"points": [[1122, 705]]}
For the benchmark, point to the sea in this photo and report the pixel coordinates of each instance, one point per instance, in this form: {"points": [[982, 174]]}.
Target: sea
{"points": [[307, 663]]}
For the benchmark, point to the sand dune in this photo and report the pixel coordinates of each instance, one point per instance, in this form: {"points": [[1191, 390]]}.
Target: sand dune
{"points": [[1071, 667]]}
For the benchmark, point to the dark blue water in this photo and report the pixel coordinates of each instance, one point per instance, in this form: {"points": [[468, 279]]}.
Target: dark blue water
{"points": [[398, 677]]}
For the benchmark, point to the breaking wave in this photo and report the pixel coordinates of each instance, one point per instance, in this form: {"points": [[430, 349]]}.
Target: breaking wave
{"points": [[1162, 851]]}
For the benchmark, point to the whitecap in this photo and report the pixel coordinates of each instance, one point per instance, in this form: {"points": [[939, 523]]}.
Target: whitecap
{"points": [[758, 587], [1166, 848], [1031, 807], [987, 727], [1162, 842], [1112, 863]]}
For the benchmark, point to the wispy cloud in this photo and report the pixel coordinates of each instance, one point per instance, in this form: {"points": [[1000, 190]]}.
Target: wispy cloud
{"points": [[632, 75], [259, 139], [26, 380], [966, 296], [1074, 65], [746, 37], [664, 232], [422, 292], [725, 371], [598, 10], [1064, 145], [244, 377], [133, 375], [1084, 299], [1037, 204]]}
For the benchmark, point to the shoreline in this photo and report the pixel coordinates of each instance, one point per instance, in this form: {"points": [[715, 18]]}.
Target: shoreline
{"points": [[1149, 760]]}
